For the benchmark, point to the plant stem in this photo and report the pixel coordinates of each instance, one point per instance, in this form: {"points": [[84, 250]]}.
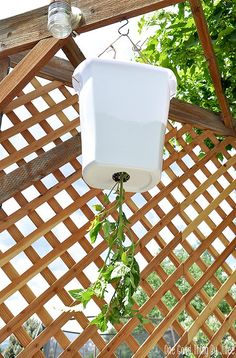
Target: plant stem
{"points": [[121, 199]]}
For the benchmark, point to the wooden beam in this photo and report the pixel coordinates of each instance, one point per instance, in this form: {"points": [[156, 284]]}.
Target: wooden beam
{"points": [[73, 53], [205, 39], [180, 111], [4, 69], [104, 12], [38, 168], [56, 69], [23, 31], [184, 112], [11, 85]]}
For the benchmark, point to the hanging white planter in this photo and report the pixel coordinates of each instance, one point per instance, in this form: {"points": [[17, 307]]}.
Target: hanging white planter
{"points": [[123, 110]]}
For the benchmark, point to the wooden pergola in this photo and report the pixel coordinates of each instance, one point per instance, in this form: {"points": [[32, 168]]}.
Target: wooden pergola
{"points": [[205, 186]]}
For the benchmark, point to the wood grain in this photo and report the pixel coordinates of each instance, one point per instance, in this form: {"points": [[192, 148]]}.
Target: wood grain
{"points": [[205, 39], [180, 111], [38, 168], [73, 53], [11, 85], [23, 31]]}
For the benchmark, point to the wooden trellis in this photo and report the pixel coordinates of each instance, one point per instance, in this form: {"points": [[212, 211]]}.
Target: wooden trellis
{"points": [[45, 203]]}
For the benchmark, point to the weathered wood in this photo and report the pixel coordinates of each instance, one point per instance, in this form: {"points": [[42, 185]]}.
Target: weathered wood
{"points": [[23, 31], [11, 85], [198, 117], [206, 42], [72, 52], [36, 145], [4, 68], [180, 111], [56, 69], [38, 168]]}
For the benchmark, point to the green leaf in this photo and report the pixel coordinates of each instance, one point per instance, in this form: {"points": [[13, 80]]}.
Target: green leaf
{"points": [[220, 156], [119, 265], [101, 322], [136, 273], [94, 229], [142, 319], [124, 258], [84, 296], [106, 227], [106, 200], [201, 155], [229, 147], [120, 270], [188, 138], [106, 272], [100, 286], [98, 207], [76, 294]]}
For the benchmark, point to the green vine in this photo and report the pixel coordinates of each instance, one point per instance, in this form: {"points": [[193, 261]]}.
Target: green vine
{"points": [[120, 267]]}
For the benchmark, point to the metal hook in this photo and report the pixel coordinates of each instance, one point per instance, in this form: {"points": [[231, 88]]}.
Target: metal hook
{"points": [[121, 27]]}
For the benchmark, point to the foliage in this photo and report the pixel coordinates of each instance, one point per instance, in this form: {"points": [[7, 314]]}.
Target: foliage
{"points": [[33, 327], [175, 45], [120, 267], [13, 348], [182, 284]]}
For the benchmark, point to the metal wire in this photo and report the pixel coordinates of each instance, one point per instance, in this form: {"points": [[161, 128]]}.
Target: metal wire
{"points": [[135, 46]]}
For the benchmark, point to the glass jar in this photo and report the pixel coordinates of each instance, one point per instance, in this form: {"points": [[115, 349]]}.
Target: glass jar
{"points": [[59, 19]]}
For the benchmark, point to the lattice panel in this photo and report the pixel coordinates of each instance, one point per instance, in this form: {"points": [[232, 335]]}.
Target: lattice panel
{"points": [[186, 222]]}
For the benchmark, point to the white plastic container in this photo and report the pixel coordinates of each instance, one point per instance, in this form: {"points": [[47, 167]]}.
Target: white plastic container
{"points": [[123, 110]]}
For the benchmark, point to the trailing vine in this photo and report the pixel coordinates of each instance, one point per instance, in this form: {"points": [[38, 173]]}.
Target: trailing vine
{"points": [[120, 267]]}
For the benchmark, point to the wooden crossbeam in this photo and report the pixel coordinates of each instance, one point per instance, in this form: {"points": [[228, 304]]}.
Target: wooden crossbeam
{"points": [[184, 112], [73, 53], [4, 68], [23, 31], [4, 65], [56, 68], [38, 168], [180, 111], [11, 85], [205, 39]]}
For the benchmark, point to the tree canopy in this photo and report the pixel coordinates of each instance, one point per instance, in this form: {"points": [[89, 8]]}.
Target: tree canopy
{"points": [[175, 45]]}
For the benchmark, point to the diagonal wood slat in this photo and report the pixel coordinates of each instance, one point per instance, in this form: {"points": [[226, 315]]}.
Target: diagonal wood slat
{"points": [[27, 68]]}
